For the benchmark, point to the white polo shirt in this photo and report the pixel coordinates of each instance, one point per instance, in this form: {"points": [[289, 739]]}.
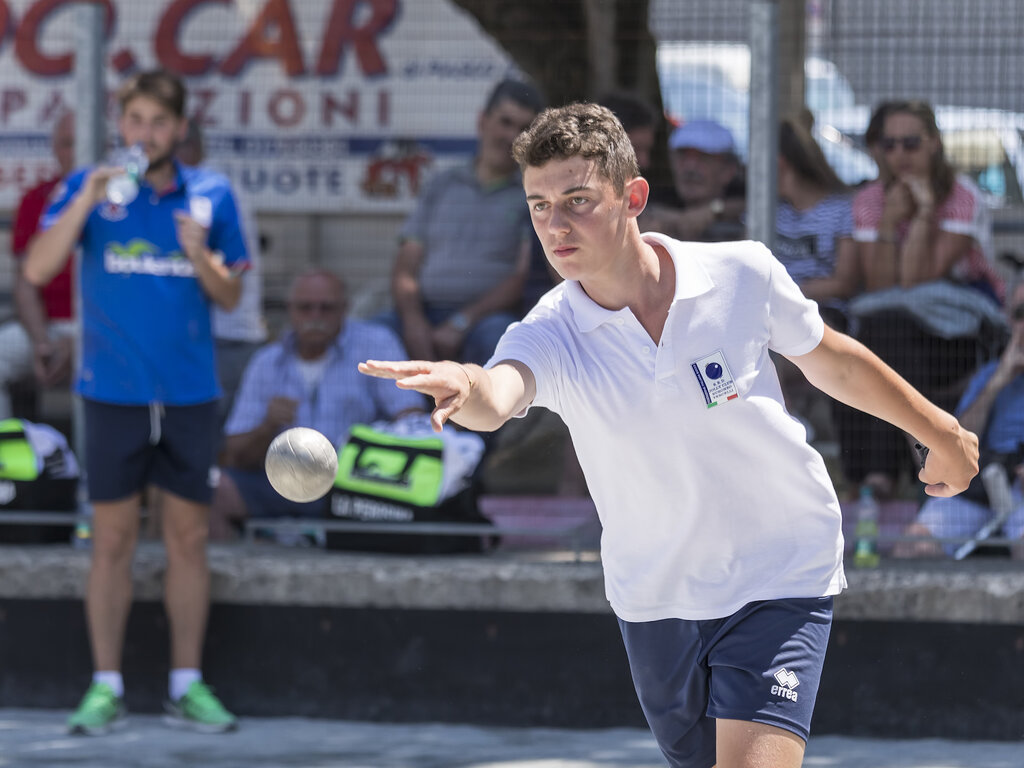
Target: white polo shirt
{"points": [[708, 493]]}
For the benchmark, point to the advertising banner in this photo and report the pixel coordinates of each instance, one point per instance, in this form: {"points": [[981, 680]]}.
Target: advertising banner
{"points": [[310, 106]]}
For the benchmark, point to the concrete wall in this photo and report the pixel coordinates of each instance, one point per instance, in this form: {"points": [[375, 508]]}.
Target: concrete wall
{"points": [[917, 650]]}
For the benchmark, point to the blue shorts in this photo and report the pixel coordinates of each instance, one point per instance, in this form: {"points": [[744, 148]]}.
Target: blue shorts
{"points": [[128, 447], [762, 665]]}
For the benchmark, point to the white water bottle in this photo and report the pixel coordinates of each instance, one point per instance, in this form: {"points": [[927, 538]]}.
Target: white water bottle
{"points": [[124, 187]]}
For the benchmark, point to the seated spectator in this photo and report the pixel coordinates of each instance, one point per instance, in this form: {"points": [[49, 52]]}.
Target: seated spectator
{"points": [[814, 224], [307, 379], [993, 408], [238, 333], [707, 200], [814, 240], [40, 341], [917, 225], [464, 252]]}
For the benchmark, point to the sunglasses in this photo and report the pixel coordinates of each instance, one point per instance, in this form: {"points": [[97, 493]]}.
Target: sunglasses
{"points": [[909, 143], [1017, 313], [325, 307]]}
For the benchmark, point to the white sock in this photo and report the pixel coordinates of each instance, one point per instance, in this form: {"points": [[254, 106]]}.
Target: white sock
{"points": [[180, 680], [113, 679]]}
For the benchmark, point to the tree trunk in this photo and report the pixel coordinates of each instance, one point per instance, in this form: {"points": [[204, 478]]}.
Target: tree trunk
{"points": [[577, 50]]}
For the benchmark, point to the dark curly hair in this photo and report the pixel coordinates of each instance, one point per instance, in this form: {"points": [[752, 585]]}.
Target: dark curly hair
{"points": [[588, 130]]}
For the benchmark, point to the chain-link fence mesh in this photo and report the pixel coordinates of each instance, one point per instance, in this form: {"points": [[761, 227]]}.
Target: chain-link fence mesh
{"points": [[329, 117]]}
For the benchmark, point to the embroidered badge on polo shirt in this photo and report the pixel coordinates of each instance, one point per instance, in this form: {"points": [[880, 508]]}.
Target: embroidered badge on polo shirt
{"points": [[715, 380], [113, 212]]}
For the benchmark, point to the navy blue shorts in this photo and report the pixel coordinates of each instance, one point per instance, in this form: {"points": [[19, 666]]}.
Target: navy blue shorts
{"points": [[762, 665], [128, 447]]}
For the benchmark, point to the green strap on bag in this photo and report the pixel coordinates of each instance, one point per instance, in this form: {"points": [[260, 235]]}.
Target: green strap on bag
{"points": [[17, 458], [388, 466]]}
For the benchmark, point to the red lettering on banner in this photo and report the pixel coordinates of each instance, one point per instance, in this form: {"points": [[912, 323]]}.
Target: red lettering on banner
{"points": [[16, 176], [284, 108], [53, 107], [26, 38], [11, 100], [5, 18], [259, 43], [201, 99], [340, 32], [331, 105], [244, 108], [165, 41], [286, 116]]}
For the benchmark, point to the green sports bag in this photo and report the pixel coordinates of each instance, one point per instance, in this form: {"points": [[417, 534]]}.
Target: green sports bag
{"points": [[386, 477]]}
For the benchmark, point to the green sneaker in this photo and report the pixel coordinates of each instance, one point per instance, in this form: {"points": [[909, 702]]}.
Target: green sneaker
{"points": [[199, 710], [99, 712]]}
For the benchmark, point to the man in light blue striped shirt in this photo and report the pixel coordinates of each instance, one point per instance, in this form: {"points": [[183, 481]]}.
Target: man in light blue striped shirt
{"points": [[308, 378]]}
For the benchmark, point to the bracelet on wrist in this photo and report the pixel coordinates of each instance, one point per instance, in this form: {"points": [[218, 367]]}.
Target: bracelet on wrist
{"points": [[468, 377]]}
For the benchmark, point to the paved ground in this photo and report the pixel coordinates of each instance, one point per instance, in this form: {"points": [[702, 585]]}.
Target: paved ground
{"points": [[36, 738]]}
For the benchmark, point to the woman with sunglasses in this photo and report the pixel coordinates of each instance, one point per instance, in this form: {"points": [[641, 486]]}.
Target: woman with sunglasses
{"points": [[919, 223]]}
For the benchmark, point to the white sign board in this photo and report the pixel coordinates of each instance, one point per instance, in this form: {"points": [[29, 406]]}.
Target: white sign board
{"points": [[309, 105]]}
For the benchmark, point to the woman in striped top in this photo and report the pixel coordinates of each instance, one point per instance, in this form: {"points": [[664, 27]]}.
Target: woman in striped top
{"points": [[814, 223]]}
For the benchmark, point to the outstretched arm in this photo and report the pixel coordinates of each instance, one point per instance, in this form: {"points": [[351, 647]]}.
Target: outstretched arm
{"points": [[477, 398], [50, 249], [848, 371]]}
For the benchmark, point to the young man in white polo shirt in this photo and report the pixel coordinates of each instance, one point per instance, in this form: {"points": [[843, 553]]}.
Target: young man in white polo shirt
{"points": [[722, 545]]}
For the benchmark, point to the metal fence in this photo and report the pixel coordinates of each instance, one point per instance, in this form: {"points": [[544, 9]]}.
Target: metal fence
{"points": [[332, 121]]}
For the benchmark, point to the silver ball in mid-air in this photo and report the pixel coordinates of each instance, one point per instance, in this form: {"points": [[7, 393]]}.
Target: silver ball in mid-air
{"points": [[301, 464]]}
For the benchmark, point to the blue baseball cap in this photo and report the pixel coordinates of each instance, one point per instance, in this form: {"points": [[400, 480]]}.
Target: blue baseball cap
{"points": [[703, 135]]}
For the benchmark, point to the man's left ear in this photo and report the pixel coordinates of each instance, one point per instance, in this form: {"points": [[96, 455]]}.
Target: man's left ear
{"points": [[636, 193]]}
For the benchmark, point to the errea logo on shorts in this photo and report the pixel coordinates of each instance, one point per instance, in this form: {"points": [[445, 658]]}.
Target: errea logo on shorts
{"points": [[787, 681]]}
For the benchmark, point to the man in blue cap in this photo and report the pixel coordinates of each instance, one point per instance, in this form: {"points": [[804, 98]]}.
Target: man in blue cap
{"points": [[707, 199]]}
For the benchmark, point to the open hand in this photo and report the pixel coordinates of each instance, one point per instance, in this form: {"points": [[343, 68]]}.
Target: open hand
{"points": [[448, 383]]}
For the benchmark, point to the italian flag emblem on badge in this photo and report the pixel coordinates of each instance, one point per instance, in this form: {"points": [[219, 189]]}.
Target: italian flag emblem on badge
{"points": [[715, 379]]}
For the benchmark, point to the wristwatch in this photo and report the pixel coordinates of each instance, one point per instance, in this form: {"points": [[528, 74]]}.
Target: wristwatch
{"points": [[717, 207], [459, 322]]}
